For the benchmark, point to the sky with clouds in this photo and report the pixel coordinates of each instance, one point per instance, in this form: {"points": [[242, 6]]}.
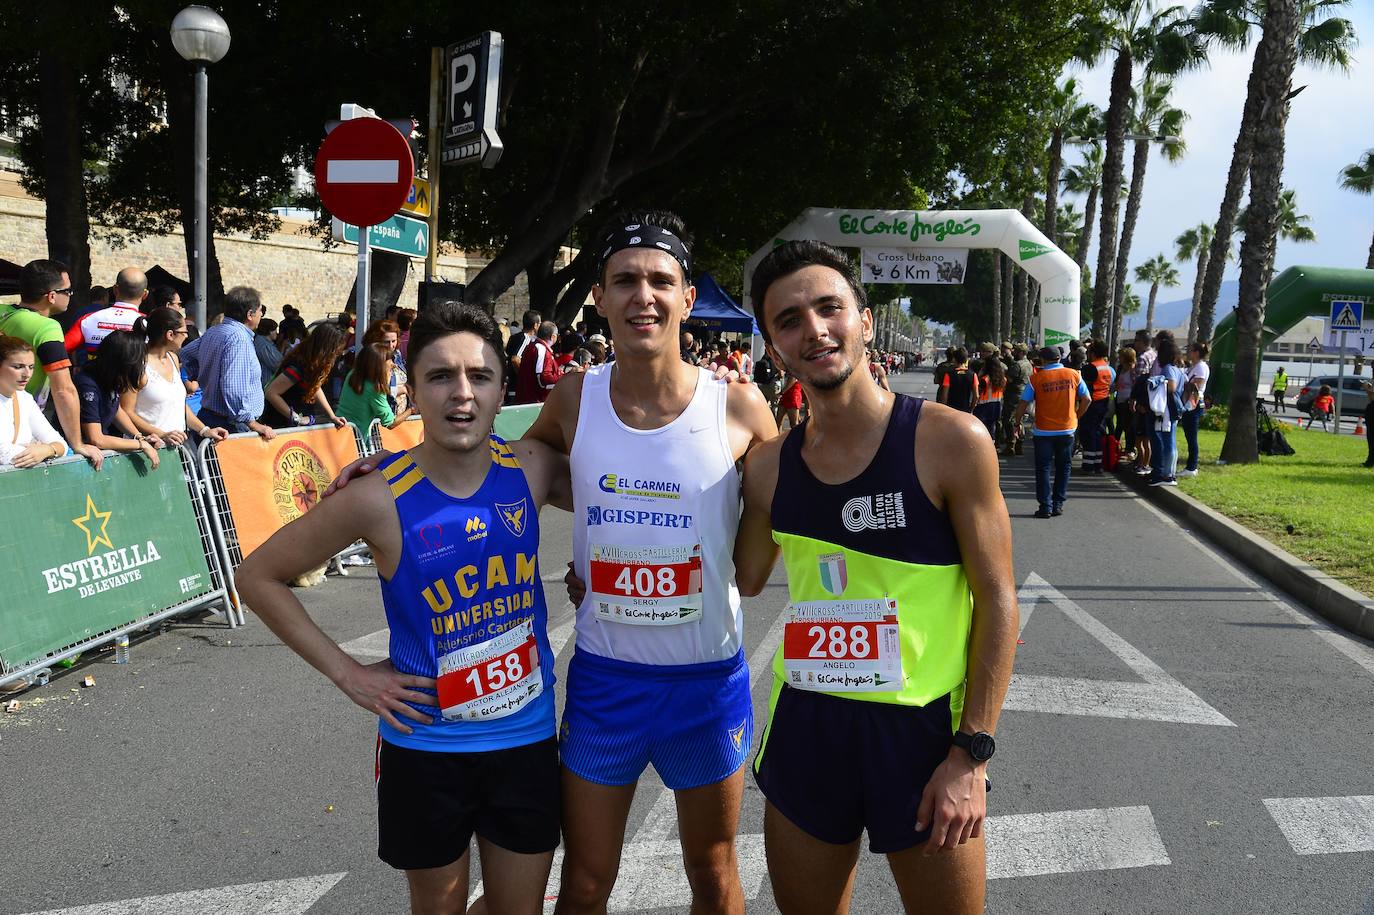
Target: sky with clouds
{"points": [[1330, 125]]}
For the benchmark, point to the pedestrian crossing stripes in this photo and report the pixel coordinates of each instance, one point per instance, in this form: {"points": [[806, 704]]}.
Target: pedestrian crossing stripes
{"points": [[1325, 825]]}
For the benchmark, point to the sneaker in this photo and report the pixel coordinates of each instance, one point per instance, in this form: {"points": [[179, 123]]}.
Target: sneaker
{"points": [[1170, 481], [1187, 473], [1041, 513], [1056, 511], [1143, 471]]}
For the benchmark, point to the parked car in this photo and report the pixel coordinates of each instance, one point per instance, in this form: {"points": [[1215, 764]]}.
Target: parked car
{"points": [[1352, 401]]}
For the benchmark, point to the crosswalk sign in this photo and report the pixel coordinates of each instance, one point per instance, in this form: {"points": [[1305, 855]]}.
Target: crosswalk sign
{"points": [[1347, 315]]}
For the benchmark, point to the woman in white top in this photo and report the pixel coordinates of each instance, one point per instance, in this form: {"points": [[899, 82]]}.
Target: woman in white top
{"points": [[1194, 401], [159, 407], [26, 437]]}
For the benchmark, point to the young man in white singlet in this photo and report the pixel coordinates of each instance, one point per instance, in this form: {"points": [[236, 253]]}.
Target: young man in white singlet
{"points": [[466, 741]]}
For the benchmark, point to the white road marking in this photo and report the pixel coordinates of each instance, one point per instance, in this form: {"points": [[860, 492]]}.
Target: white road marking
{"points": [[661, 821], [560, 634], [1069, 841], [1356, 649], [362, 171], [1159, 697], [373, 645], [1325, 825], [277, 897], [761, 661]]}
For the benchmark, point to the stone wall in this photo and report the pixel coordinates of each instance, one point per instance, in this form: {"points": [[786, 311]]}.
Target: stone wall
{"points": [[288, 267]]}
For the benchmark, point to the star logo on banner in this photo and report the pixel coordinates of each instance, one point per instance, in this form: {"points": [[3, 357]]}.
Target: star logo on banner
{"points": [[87, 524]]}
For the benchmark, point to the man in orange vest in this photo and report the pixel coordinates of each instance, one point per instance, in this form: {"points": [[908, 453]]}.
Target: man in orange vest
{"points": [[1060, 398], [1100, 378]]}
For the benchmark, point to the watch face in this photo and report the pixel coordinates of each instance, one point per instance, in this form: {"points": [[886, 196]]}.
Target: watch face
{"points": [[982, 746]]}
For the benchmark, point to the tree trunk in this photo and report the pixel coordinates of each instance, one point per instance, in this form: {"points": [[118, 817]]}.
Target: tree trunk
{"points": [[1150, 310], [544, 283], [1023, 299], [389, 274], [1112, 170], [1139, 162], [67, 222], [996, 261], [1019, 305], [1056, 166], [1008, 294], [1089, 215], [499, 275], [1230, 201], [1197, 295], [1273, 73]]}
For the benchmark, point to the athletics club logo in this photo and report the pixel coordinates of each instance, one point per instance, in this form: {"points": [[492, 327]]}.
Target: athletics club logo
{"points": [[878, 512], [513, 515], [834, 573]]}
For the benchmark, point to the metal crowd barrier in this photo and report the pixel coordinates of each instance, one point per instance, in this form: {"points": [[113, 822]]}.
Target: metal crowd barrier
{"points": [[41, 668]]}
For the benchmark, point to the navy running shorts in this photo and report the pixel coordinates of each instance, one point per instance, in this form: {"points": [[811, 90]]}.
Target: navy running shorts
{"points": [[836, 767], [693, 722]]}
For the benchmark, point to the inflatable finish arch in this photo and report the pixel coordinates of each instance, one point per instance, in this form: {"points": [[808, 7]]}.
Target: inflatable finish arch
{"points": [[1005, 230]]}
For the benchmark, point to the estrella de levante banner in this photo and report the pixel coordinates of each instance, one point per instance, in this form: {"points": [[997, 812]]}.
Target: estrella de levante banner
{"points": [[84, 552]]}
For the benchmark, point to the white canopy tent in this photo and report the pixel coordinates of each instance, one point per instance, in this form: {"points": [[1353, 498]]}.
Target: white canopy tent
{"points": [[1005, 230]]}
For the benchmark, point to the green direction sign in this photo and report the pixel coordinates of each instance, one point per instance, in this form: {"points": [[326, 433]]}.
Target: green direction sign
{"points": [[399, 235], [82, 552]]}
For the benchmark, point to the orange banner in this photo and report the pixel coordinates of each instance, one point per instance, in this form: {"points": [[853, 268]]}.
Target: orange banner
{"points": [[407, 435], [271, 484]]}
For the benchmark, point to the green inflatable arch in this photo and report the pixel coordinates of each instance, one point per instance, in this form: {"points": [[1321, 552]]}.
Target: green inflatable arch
{"points": [[1296, 293]]}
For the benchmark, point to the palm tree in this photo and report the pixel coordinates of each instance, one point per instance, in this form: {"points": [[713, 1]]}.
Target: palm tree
{"points": [[1068, 227], [1291, 226], [1360, 179], [1322, 42], [1157, 271], [1153, 117], [1275, 58], [1193, 244], [1066, 115], [1162, 40], [1086, 178]]}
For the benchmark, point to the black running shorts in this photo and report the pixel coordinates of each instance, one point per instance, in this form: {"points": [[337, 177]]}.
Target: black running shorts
{"points": [[430, 804], [836, 767]]}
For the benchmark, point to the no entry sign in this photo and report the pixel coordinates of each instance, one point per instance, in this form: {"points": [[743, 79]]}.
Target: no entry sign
{"points": [[363, 171]]}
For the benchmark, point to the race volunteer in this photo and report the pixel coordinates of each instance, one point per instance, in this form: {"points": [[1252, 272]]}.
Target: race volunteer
{"points": [[898, 644], [1103, 382], [466, 739], [1060, 398]]}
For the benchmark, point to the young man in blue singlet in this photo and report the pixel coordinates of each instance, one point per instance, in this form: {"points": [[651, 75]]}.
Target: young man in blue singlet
{"points": [[466, 738], [898, 644]]}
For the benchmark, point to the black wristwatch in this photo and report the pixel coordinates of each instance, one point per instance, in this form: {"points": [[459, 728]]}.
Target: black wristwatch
{"points": [[980, 745]]}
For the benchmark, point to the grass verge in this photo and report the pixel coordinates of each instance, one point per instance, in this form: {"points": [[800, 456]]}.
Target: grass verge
{"points": [[1314, 503]]}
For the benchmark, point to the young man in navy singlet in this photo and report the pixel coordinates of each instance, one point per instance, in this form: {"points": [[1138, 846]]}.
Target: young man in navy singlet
{"points": [[898, 644], [466, 739]]}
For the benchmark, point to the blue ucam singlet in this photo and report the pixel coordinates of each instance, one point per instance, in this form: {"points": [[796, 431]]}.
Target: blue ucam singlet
{"points": [[466, 606]]}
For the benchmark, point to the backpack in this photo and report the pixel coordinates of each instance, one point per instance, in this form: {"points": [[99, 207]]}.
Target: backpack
{"points": [[960, 391], [1089, 373]]}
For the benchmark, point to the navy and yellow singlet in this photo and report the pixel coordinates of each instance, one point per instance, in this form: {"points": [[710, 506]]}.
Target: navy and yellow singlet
{"points": [[466, 606]]}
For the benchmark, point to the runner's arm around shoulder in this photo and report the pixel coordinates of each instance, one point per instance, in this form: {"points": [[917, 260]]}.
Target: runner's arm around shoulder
{"points": [[363, 510], [546, 471], [749, 420], [558, 417], [972, 498], [755, 550]]}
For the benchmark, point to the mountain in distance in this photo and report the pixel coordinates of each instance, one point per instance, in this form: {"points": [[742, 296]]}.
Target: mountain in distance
{"points": [[1174, 314]]}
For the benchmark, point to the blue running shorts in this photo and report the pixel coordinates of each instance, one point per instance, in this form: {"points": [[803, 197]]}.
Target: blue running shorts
{"points": [[693, 722]]}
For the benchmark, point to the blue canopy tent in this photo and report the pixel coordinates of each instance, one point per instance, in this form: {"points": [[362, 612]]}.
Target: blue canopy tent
{"points": [[715, 310]]}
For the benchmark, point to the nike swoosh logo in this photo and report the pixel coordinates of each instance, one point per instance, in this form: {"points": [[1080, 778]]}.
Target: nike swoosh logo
{"points": [[699, 429]]}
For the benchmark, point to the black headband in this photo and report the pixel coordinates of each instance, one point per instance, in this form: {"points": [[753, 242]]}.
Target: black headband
{"points": [[642, 235]]}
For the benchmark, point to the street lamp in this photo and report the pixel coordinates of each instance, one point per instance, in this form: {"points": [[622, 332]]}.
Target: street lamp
{"points": [[201, 37]]}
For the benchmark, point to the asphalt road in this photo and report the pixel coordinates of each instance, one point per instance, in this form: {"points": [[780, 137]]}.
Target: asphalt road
{"points": [[1177, 739]]}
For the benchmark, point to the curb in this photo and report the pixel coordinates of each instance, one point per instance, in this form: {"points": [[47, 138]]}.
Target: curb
{"points": [[1330, 599]]}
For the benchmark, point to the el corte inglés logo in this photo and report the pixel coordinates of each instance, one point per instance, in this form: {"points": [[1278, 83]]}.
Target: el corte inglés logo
{"points": [[298, 480]]}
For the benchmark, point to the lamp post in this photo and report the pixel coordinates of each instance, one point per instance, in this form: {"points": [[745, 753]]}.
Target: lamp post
{"points": [[201, 37]]}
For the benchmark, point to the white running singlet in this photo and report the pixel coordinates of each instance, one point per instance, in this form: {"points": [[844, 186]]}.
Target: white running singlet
{"points": [[655, 516]]}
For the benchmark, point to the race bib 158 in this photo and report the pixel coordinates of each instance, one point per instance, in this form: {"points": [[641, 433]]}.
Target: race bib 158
{"points": [[491, 679]]}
